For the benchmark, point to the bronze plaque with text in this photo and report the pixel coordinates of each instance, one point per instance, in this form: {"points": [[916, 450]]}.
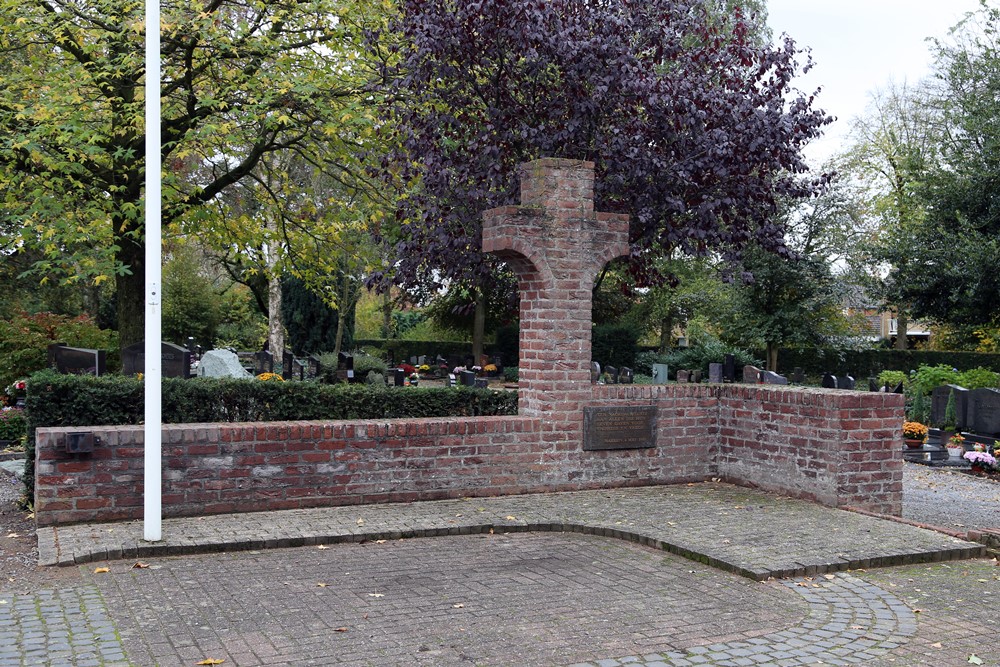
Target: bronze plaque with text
{"points": [[629, 427]]}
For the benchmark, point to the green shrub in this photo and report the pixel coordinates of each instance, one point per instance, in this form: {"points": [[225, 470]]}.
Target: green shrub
{"points": [[699, 355], [925, 378], [893, 378], [510, 373], [24, 341], [13, 424], [615, 345], [70, 400], [976, 378]]}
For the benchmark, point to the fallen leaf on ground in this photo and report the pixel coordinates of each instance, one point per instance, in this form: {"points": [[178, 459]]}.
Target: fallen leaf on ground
{"points": [[936, 645], [458, 606], [13, 535], [376, 595], [511, 517], [361, 522], [139, 565], [379, 541], [321, 585], [340, 629], [975, 660], [101, 570], [211, 661], [322, 546]]}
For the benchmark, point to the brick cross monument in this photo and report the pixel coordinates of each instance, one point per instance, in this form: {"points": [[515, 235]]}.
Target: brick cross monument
{"points": [[556, 244]]}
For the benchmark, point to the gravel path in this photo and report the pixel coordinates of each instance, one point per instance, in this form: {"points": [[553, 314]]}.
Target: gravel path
{"points": [[950, 499]]}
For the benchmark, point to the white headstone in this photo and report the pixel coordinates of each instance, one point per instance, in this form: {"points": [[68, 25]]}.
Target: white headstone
{"points": [[221, 364]]}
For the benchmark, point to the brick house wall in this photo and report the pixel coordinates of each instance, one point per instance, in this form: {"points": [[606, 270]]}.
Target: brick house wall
{"points": [[838, 448]]}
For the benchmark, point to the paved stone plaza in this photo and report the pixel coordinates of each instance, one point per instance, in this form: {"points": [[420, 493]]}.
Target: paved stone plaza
{"points": [[598, 580]]}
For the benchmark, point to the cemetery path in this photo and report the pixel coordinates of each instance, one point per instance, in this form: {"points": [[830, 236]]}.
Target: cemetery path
{"points": [[950, 499], [513, 582]]}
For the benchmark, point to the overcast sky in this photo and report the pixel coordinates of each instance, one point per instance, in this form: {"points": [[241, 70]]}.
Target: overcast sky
{"points": [[858, 46]]}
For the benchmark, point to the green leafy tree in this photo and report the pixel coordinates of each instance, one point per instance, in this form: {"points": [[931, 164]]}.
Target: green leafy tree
{"points": [[240, 81]]}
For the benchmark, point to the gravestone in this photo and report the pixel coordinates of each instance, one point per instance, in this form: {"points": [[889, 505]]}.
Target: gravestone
{"points": [[939, 405], [983, 411], [595, 372], [751, 374], [660, 372], [612, 375], [313, 366], [829, 381], [682, 376], [263, 362], [77, 360], [695, 376], [845, 382], [468, 378], [770, 377], [729, 368], [222, 364], [481, 383], [715, 373], [398, 377], [798, 375], [175, 361], [898, 389], [625, 375], [873, 385]]}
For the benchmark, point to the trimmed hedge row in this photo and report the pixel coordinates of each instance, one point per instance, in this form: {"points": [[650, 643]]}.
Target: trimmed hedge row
{"points": [[71, 400], [869, 363]]}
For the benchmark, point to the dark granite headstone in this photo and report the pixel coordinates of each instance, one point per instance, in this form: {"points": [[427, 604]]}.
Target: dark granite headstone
{"points": [[595, 372], [612, 375], [983, 414], [898, 389], [845, 382], [939, 405], [313, 366], [696, 376], [398, 377], [632, 427], [715, 373], [829, 381], [751, 374], [770, 377], [345, 362], [263, 362], [77, 360], [481, 383], [660, 372], [175, 361], [873, 385], [798, 375], [683, 376], [729, 368], [468, 378], [625, 375]]}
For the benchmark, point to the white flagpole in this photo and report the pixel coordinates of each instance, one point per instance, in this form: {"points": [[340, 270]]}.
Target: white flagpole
{"points": [[152, 479]]}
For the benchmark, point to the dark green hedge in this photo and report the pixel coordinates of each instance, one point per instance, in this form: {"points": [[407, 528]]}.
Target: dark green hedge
{"points": [[71, 400], [869, 363], [615, 345]]}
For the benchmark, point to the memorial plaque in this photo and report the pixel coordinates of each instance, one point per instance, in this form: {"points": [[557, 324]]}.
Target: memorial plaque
{"points": [[627, 427]]}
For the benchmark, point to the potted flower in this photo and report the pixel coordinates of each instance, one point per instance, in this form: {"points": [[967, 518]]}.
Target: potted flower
{"points": [[981, 460], [955, 446], [914, 433]]}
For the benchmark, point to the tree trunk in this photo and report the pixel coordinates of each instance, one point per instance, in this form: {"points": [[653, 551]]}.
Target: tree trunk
{"points": [[902, 324], [387, 314], [131, 292], [346, 300], [772, 357], [479, 327], [275, 328], [666, 334]]}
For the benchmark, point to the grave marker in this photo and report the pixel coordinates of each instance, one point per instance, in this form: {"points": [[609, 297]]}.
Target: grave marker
{"points": [[175, 361]]}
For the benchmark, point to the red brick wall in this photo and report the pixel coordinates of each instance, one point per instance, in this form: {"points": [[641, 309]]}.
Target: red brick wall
{"points": [[840, 448]]}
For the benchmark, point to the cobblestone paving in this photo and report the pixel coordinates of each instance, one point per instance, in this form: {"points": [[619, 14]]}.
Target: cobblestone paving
{"points": [[729, 527], [70, 626]]}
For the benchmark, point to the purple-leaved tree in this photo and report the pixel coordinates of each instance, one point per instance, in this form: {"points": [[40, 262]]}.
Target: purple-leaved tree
{"points": [[691, 119]]}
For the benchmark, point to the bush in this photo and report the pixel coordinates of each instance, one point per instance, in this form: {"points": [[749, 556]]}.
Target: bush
{"points": [[893, 378], [13, 424], [510, 373], [615, 345], [70, 400], [976, 378], [925, 378], [704, 351], [24, 341]]}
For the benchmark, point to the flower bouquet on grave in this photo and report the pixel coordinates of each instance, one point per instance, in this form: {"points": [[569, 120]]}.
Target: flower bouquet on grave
{"points": [[914, 433], [956, 445], [981, 460]]}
